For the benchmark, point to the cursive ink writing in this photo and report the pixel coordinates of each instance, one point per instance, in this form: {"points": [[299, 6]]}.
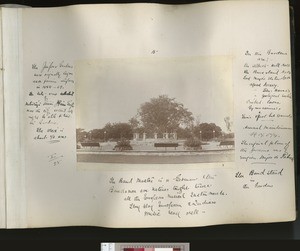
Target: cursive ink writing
{"points": [[50, 101], [267, 114], [55, 159], [183, 197]]}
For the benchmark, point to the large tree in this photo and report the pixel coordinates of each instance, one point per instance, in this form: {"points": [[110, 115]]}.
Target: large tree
{"points": [[164, 114]]}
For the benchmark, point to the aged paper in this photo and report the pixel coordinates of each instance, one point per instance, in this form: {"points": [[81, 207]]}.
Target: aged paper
{"points": [[2, 148], [67, 50], [15, 194]]}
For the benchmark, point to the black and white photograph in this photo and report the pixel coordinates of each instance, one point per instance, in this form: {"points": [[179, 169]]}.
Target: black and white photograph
{"points": [[155, 110]]}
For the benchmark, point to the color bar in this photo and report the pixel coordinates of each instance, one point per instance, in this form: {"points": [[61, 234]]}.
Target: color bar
{"points": [[151, 249], [134, 249]]}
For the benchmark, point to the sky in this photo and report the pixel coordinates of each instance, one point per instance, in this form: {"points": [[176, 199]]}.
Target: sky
{"points": [[112, 90]]}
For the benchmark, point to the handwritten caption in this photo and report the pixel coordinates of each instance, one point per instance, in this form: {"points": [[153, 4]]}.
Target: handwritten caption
{"points": [[176, 196], [259, 179], [268, 117], [50, 101]]}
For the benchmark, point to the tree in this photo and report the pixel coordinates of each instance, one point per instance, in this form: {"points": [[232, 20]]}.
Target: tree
{"points": [[184, 133], [164, 114], [122, 145], [208, 131], [97, 134], [117, 131], [134, 123], [81, 135]]}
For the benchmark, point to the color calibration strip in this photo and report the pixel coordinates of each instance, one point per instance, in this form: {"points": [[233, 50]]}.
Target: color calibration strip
{"points": [[145, 246], [151, 249]]}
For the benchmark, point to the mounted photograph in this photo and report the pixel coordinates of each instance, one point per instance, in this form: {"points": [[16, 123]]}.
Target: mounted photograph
{"points": [[155, 110]]}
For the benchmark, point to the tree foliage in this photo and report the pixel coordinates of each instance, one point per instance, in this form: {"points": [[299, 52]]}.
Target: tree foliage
{"points": [[159, 115], [193, 143], [136, 125], [117, 131], [81, 135], [97, 134], [208, 131], [184, 133], [123, 145], [164, 114]]}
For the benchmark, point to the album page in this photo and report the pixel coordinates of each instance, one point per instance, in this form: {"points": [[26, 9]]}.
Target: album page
{"points": [[151, 115]]}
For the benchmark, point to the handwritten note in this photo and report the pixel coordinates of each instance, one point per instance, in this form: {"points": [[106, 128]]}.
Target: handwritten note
{"points": [[268, 117], [265, 147], [177, 195], [49, 108], [50, 102]]}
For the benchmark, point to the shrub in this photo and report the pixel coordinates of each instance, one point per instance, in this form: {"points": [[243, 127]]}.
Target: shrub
{"points": [[123, 145], [192, 144]]}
